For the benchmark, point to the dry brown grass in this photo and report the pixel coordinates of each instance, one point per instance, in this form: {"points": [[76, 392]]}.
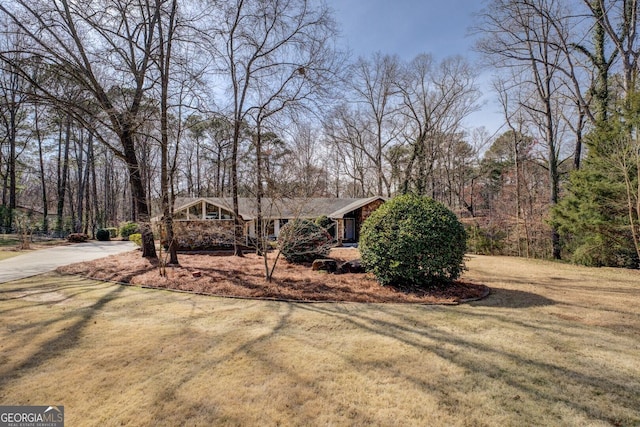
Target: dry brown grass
{"points": [[244, 277], [6, 254], [553, 345], [11, 245]]}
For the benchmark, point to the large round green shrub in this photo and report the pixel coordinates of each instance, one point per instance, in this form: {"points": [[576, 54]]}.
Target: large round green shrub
{"points": [[413, 241], [303, 241]]}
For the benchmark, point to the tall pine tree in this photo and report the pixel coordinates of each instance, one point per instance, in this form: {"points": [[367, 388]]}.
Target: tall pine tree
{"points": [[600, 216]]}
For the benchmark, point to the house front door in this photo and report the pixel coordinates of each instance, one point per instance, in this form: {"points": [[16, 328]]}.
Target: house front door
{"points": [[350, 229]]}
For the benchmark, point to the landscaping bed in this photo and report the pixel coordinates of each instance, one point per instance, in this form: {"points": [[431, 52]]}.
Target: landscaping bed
{"points": [[243, 277]]}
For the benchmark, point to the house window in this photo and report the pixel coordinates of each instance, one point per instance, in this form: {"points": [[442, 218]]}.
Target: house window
{"points": [[213, 212], [202, 210], [195, 211]]}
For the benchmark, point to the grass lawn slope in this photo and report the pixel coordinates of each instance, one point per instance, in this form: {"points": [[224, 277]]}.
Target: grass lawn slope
{"points": [[552, 345]]}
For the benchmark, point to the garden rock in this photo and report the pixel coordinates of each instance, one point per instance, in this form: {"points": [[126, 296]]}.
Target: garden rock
{"points": [[353, 266], [329, 265]]}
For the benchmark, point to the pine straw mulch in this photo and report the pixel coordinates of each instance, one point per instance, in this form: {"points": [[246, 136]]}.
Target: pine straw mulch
{"points": [[229, 276]]}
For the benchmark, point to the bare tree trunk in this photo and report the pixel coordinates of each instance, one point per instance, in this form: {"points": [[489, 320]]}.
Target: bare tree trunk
{"points": [[164, 65], [12, 163], [219, 178], [87, 207], [138, 195], [80, 175], [98, 218], [43, 180], [260, 238], [5, 184], [577, 153], [198, 170], [238, 225], [554, 182], [108, 195], [63, 173]]}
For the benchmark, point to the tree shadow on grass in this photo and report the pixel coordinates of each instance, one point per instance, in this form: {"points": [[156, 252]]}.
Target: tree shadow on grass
{"points": [[511, 298], [486, 361], [61, 341]]}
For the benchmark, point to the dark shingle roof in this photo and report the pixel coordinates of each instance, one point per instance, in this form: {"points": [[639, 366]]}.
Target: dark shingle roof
{"points": [[282, 208]]}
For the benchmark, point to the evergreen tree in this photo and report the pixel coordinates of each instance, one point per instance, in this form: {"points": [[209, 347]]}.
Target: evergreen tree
{"points": [[599, 217]]}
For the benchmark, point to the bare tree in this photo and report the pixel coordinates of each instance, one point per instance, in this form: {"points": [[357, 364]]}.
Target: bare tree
{"points": [[273, 54], [105, 49], [307, 162], [619, 20], [436, 98], [43, 180], [520, 36], [375, 88], [64, 143], [347, 133], [14, 91], [166, 16]]}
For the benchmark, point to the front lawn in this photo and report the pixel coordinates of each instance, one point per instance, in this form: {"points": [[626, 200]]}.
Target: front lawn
{"points": [[552, 345]]}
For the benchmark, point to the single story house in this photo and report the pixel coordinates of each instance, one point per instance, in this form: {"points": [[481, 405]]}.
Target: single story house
{"points": [[207, 222]]}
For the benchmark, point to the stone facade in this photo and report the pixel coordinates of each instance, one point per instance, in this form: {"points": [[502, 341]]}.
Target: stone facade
{"points": [[203, 234], [366, 211], [360, 215], [206, 224]]}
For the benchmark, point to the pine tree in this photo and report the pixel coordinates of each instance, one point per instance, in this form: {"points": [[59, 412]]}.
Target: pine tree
{"points": [[599, 217]]}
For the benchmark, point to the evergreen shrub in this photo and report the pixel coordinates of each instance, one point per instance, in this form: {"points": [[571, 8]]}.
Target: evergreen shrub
{"points": [[113, 232], [413, 242], [77, 237], [103, 235], [127, 229], [136, 238], [324, 222], [328, 224]]}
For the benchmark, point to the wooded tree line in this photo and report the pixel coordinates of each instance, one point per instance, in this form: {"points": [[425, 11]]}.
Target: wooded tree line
{"points": [[568, 81], [110, 109]]}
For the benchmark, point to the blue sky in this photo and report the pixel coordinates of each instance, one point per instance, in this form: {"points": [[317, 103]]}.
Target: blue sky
{"points": [[410, 27]]}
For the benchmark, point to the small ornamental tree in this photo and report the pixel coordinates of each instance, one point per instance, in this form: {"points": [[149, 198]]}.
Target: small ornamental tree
{"points": [[303, 241], [413, 242]]}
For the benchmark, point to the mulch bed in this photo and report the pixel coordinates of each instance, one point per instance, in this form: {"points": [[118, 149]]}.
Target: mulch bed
{"points": [[244, 277]]}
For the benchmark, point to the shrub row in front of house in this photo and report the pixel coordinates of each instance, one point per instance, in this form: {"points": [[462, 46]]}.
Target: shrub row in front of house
{"points": [[104, 234]]}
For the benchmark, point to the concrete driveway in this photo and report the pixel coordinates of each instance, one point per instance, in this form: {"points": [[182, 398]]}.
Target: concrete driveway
{"points": [[44, 260]]}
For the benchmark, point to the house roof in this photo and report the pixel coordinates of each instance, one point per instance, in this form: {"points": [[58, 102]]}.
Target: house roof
{"points": [[334, 208]]}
